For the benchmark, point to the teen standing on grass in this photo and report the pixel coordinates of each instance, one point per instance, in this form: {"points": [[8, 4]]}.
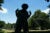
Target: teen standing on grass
{"points": [[22, 16]]}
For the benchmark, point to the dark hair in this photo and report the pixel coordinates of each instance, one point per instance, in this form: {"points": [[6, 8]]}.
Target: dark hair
{"points": [[24, 6]]}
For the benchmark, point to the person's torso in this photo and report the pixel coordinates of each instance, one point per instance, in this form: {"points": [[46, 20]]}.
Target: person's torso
{"points": [[23, 15]]}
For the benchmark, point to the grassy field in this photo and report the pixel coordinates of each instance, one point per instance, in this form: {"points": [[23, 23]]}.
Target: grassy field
{"points": [[6, 31], [30, 31]]}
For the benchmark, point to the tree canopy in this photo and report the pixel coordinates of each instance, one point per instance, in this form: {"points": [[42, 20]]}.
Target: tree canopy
{"points": [[39, 19], [2, 24]]}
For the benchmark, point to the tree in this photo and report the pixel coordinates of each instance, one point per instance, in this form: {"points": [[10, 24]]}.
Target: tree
{"points": [[2, 24], [39, 19], [32, 21], [10, 26]]}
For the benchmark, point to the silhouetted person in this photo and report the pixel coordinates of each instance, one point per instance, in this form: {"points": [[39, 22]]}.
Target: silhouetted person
{"points": [[22, 16]]}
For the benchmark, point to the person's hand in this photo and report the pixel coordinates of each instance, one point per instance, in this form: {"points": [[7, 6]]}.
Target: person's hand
{"points": [[17, 11], [30, 12]]}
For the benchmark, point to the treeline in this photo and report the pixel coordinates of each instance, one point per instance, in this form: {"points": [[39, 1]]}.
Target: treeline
{"points": [[9, 26], [39, 20], [4, 25]]}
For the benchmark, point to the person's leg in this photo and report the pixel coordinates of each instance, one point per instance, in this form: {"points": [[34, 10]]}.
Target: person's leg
{"points": [[25, 27], [18, 28]]}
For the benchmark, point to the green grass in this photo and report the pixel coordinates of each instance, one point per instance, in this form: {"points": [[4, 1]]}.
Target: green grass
{"points": [[30, 31]]}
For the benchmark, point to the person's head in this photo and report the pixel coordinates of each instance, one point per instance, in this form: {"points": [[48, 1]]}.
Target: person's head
{"points": [[24, 6]]}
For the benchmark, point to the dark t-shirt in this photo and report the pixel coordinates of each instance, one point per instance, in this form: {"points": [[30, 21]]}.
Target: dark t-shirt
{"points": [[22, 15]]}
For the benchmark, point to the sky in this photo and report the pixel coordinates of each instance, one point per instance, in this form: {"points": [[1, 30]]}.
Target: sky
{"points": [[9, 7]]}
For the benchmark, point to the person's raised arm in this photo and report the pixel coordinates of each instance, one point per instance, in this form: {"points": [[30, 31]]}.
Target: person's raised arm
{"points": [[16, 12], [29, 13]]}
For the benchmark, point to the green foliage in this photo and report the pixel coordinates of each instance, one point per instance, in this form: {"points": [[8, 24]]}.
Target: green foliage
{"points": [[1, 31], [1, 1], [2, 24], [9, 26], [39, 19]]}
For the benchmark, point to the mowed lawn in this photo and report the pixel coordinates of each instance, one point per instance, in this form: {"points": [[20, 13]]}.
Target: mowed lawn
{"points": [[6, 30], [30, 31]]}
